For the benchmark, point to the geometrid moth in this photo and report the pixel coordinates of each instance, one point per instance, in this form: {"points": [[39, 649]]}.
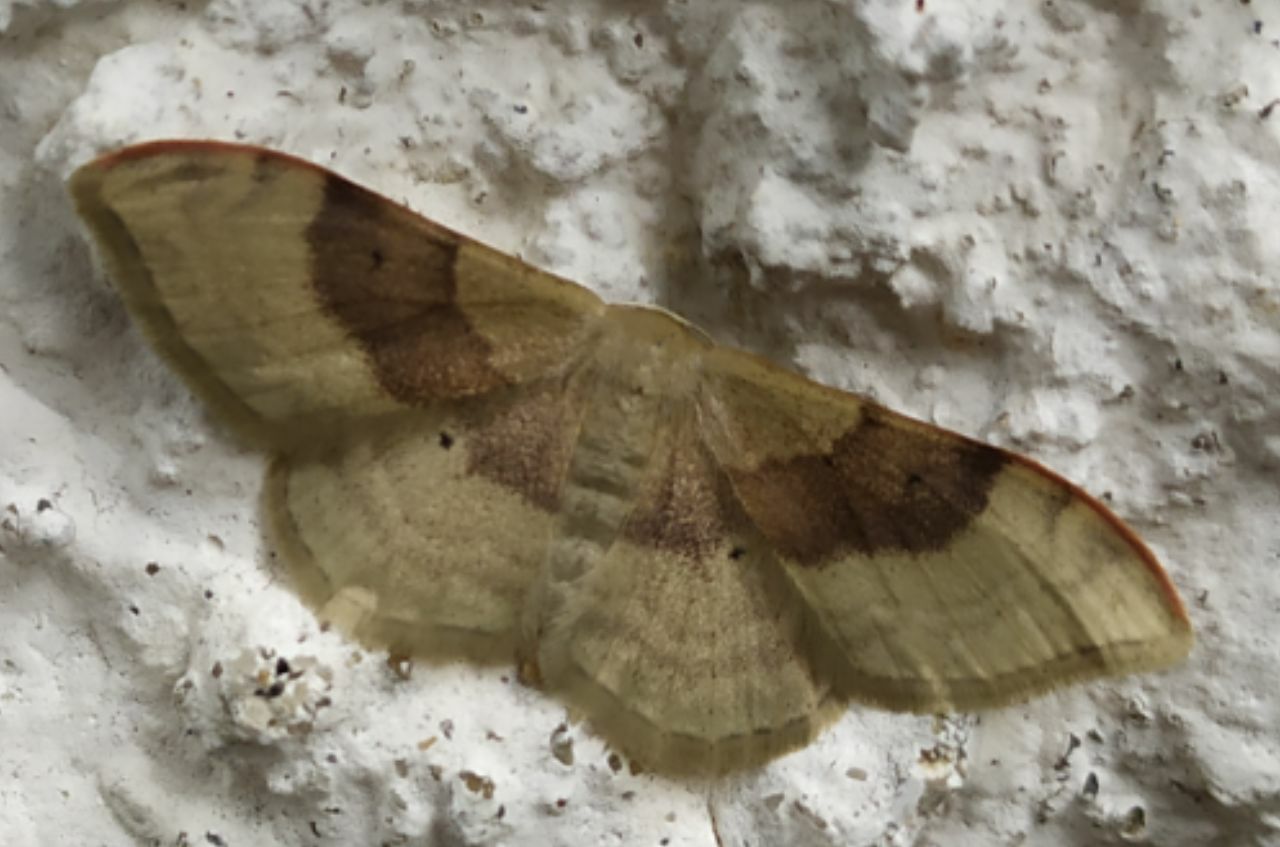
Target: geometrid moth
{"points": [[706, 554]]}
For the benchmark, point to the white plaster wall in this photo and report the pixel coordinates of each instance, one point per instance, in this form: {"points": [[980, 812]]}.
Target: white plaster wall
{"points": [[1052, 225]]}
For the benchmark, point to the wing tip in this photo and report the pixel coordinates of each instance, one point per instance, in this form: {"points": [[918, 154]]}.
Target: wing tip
{"points": [[1173, 600]]}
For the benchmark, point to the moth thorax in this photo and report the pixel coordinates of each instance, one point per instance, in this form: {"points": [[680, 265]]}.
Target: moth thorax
{"points": [[652, 352]]}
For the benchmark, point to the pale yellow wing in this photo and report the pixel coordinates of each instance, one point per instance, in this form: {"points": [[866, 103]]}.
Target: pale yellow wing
{"points": [[290, 297], [941, 573], [426, 534], [413, 383], [663, 615]]}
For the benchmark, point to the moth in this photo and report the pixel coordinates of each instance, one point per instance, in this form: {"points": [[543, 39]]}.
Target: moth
{"points": [[705, 554]]}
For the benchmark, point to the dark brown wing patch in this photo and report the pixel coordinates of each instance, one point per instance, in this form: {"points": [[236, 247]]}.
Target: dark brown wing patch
{"points": [[874, 492], [390, 280], [688, 507], [524, 441]]}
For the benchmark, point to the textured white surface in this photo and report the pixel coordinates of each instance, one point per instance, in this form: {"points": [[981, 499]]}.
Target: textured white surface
{"points": [[1049, 225]]}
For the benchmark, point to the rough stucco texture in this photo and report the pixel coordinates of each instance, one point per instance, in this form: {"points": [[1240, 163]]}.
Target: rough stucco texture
{"points": [[1051, 225]]}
